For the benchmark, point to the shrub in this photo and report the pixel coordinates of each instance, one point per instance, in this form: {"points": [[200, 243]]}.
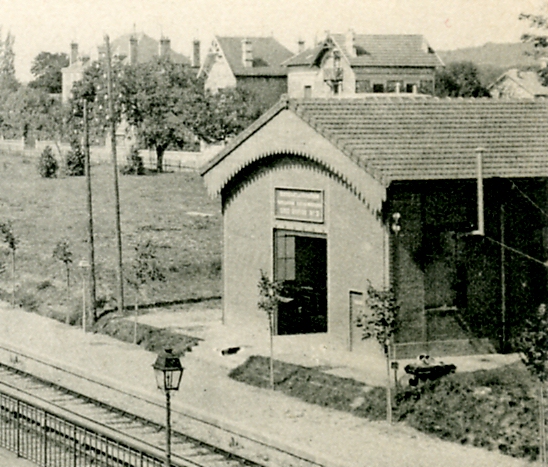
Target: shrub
{"points": [[75, 162], [47, 164], [134, 165]]}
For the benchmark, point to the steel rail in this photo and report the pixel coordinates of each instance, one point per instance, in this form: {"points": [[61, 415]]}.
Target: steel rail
{"points": [[302, 458], [106, 430]]}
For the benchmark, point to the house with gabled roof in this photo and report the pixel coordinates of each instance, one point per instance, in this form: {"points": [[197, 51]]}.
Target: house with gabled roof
{"points": [[247, 62], [442, 200], [519, 84], [131, 49], [354, 64]]}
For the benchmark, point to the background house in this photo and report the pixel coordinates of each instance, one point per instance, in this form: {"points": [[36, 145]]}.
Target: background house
{"points": [[252, 63], [131, 49], [519, 84], [350, 64], [74, 72]]}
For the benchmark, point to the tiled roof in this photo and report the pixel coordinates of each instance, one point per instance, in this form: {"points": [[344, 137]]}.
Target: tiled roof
{"points": [[306, 57], [418, 139], [147, 49], [528, 80], [390, 50], [378, 51], [268, 54], [406, 138]]}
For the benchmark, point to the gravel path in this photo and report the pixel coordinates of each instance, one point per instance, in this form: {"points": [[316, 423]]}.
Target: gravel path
{"points": [[334, 438]]}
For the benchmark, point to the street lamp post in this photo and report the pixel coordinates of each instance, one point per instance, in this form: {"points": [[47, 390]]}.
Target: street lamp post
{"points": [[168, 372], [84, 266]]}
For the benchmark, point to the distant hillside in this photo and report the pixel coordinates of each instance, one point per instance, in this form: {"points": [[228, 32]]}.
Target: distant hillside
{"points": [[492, 59]]}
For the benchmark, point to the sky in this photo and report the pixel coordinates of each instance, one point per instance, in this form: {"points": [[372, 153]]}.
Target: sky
{"points": [[51, 25]]}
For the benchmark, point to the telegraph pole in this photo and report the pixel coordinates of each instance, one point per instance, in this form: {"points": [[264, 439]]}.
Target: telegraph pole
{"points": [[91, 245], [115, 167]]}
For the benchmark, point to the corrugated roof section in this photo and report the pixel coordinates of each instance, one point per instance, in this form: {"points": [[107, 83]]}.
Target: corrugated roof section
{"points": [[268, 54], [419, 139]]}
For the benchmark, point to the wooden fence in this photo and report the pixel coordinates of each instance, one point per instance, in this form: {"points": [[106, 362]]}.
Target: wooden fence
{"points": [[173, 160]]}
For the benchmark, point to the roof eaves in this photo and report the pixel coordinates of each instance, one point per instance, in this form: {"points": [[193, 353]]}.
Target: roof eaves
{"points": [[281, 105]]}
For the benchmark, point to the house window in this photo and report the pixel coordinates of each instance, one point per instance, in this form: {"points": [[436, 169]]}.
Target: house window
{"points": [[363, 85], [307, 92], [285, 257], [336, 60], [409, 87], [378, 87]]}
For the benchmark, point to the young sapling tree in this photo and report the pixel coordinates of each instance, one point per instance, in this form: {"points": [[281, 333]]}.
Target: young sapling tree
{"points": [[6, 230], [380, 322], [533, 347], [269, 298], [144, 269], [63, 253]]}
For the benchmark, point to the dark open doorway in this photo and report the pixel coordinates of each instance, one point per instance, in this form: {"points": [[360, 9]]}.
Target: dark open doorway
{"points": [[301, 265]]}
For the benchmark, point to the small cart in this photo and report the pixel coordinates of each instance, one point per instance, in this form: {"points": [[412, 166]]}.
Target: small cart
{"points": [[427, 369]]}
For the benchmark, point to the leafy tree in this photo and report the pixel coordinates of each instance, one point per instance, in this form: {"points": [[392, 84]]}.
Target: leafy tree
{"points": [[145, 268], [160, 99], [63, 253], [134, 165], [538, 38], [46, 68], [227, 112], [269, 298], [6, 230], [8, 81], [76, 161], [380, 322], [33, 111], [47, 164], [460, 79], [533, 347]]}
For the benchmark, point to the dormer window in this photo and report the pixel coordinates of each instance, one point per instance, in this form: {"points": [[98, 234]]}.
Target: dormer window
{"points": [[336, 59]]}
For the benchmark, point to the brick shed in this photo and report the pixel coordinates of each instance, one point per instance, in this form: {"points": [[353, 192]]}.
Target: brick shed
{"points": [[311, 191]]}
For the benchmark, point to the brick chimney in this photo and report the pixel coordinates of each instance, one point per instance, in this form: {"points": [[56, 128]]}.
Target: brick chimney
{"points": [[196, 53], [133, 50], [247, 53], [300, 45], [165, 47], [350, 43], [73, 52]]}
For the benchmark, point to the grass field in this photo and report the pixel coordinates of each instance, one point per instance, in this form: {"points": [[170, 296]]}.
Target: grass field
{"points": [[171, 209]]}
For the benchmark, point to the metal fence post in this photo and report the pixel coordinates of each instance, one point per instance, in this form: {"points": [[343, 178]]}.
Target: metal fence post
{"points": [[18, 428]]}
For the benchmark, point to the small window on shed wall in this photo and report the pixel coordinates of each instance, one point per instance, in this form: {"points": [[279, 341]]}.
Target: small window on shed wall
{"points": [[363, 85], [307, 92], [378, 87]]}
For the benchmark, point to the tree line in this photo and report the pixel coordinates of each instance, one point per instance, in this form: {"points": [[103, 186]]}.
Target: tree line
{"points": [[163, 104]]}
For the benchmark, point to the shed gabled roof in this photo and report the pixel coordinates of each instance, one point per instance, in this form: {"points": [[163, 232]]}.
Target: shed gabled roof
{"points": [[268, 54], [405, 138], [386, 50]]}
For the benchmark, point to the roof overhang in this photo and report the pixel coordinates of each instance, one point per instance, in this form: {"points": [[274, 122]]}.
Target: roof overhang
{"points": [[287, 134]]}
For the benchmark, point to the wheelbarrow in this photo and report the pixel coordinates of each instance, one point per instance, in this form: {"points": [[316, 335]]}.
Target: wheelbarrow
{"points": [[427, 369]]}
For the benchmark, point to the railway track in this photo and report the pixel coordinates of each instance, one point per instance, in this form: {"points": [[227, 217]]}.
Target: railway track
{"points": [[101, 417]]}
